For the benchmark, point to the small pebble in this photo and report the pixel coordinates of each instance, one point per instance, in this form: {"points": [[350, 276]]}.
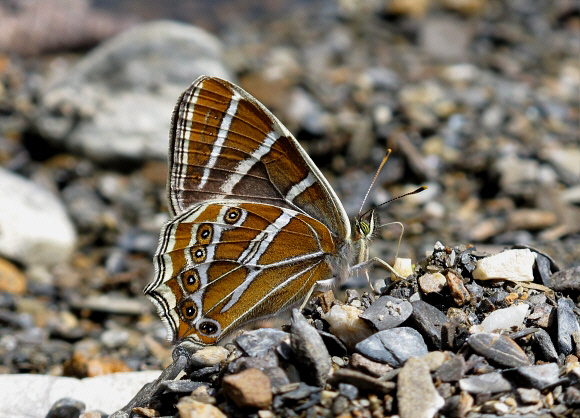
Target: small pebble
{"points": [[485, 383], [373, 368], [516, 265], [393, 346], [566, 280], [387, 312], [505, 318], [538, 376], [312, 358], [529, 396], [256, 343], [189, 407], [432, 283], [452, 370], [499, 349], [457, 289], [567, 324], [248, 389], [416, 395], [429, 321], [65, 408], [346, 324], [209, 356]]}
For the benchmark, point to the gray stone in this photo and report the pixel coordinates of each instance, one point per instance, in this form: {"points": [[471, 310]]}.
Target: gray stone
{"points": [[34, 225], [312, 358], [485, 383], [116, 103], [500, 349], [416, 394], [429, 320], [543, 266], [543, 315], [348, 391], [256, 343], [393, 346], [540, 376], [303, 391], [546, 345], [567, 324], [387, 312], [263, 361], [66, 408], [277, 375], [452, 370], [566, 280]]}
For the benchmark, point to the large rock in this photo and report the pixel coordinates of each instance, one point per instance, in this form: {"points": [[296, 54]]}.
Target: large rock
{"points": [[34, 225], [27, 395], [116, 103]]}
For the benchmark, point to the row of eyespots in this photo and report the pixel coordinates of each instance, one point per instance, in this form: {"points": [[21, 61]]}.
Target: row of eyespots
{"points": [[190, 278]]}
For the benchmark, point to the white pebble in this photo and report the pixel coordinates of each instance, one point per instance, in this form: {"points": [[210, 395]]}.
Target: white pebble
{"points": [[403, 266], [505, 318], [513, 265], [34, 225], [345, 323]]}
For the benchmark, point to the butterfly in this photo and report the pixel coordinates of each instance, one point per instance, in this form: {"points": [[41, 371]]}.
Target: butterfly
{"points": [[255, 227]]}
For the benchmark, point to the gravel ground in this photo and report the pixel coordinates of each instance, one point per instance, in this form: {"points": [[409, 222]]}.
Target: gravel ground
{"points": [[479, 100]]}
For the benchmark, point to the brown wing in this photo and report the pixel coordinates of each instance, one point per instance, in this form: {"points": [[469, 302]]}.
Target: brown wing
{"points": [[222, 264], [227, 145]]}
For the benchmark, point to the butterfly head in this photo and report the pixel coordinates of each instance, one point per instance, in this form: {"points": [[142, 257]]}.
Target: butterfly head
{"points": [[365, 227]]}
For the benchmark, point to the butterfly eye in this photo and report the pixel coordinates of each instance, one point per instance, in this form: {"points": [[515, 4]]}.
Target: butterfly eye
{"points": [[365, 227], [204, 234], [190, 280], [188, 310], [209, 328], [232, 215], [198, 254]]}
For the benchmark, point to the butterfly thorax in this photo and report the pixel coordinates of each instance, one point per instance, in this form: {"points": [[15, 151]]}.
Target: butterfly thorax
{"points": [[354, 250]]}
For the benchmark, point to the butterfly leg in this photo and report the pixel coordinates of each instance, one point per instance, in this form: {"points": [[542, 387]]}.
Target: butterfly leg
{"points": [[367, 252], [388, 266], [321, 284], [365, 264]]}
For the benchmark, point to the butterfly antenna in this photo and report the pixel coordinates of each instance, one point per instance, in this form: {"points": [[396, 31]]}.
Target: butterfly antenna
{"points": [[417, 190], [374, 180]]}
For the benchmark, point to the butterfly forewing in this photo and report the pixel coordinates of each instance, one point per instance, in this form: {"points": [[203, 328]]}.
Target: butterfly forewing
{"points": [[225, 263], [227, 145]]}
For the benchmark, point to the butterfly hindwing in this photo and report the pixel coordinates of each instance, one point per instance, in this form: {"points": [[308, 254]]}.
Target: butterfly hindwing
{"points": [[221, 264]]}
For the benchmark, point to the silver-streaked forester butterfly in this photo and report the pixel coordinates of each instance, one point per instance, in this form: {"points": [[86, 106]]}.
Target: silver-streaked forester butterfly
{"points": [[255, 225]]}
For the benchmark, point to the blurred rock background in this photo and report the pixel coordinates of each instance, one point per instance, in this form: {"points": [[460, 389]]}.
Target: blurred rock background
{"points": [[479, 100]]}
